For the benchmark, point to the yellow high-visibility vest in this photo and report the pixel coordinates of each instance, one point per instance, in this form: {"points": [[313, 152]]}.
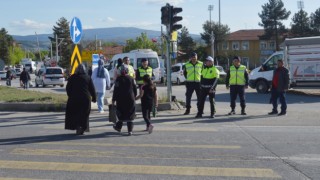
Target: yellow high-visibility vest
{"points": [[131, 71], [143, 72], [210, 73], [237, 75], [193, 71]]}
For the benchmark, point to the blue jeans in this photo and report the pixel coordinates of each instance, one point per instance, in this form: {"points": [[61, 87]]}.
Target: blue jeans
{"points": [[274, 99], [100, 100], [25, 84]]}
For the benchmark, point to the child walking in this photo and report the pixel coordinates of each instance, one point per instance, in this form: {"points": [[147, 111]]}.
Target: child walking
{"points": [[149, 98]]}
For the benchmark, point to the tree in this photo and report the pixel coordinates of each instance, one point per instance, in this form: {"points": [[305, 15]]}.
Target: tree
{"points": [[271, 16], [185, 44], [300, 26], [220, 33], [16, 55], [141, 42], [65, 48], [5, 42], [315, 22]]}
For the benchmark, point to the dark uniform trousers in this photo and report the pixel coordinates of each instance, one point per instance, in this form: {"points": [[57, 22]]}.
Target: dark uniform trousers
{"points": [[203, 97], [236, 90], [192, 86]]}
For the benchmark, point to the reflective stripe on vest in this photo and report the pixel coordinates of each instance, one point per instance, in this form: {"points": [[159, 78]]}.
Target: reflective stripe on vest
{"points": [[237, 75], [210, 73], [143, 72], [194, 71]]}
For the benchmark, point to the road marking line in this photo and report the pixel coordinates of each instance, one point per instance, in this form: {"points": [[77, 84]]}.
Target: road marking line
{"points": [[109, 154], [141, 169], [145, 145], [7, 178], [165, 129]]}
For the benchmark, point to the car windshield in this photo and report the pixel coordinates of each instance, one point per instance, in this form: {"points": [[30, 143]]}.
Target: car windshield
{"points": [[152, 62], [53, 71], [220, 68]]}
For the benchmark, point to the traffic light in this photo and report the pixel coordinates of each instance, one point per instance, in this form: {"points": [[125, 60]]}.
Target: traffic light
{"points": [[165, 15], [174, 18]]}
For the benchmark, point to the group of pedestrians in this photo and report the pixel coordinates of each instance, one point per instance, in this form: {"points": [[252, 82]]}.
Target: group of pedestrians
{"points": [[83, 89], [203, 78]]}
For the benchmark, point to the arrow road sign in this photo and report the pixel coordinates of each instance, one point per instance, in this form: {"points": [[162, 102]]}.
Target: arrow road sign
{"points": [[75, 30]]}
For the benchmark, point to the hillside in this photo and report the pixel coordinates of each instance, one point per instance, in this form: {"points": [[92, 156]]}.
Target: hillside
{"points": [[117, 34]]}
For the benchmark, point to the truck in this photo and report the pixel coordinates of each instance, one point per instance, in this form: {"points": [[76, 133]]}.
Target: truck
{"points": [[301, 56], [135, 57]]}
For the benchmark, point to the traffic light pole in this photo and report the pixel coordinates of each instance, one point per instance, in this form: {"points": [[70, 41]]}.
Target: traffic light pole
{"points": [[169, 84]]}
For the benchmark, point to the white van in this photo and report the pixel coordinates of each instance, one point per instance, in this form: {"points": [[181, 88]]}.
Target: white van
{"points": [[135, 57], [29, 65]]}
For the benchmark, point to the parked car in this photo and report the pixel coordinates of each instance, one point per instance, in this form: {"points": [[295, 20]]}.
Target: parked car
{"points": [[3, 75], [223, 74], [177, 73], [18, 71], [50, 76]]}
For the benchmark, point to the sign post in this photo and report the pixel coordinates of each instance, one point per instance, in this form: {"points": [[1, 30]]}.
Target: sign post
{"points": [[75, 34]]}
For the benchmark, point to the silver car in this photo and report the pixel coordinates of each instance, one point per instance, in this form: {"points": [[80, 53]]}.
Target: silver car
{"points": [[50, 76]]}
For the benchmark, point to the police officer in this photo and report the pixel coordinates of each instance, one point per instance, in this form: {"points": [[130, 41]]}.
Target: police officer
{"points": [[131, 72], [143, 70], [237, 81], [192, 72], [209, 80]]}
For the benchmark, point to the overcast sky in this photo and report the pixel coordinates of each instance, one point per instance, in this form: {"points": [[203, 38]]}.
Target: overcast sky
{"points": [[25, 17]]}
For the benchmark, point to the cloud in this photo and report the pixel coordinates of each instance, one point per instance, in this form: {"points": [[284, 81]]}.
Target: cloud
{"points": [[110, 19], [29, 24], [161, 2]]}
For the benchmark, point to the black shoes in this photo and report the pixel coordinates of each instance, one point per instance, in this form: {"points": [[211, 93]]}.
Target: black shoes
{"points": [[199, 115], [282, 114], [232, 112], [187, 112], [79, 131], [273, 112], [212, 115], [243, 112], [115, 128]]}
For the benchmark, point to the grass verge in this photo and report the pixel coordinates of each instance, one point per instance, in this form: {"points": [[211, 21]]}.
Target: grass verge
{"points": [[9, 94]]}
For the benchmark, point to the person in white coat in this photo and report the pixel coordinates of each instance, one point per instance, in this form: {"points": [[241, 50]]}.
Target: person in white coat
{"points": [[101, 80]]}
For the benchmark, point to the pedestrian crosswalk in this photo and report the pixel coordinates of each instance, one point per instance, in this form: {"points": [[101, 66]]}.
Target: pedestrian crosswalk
{"points": [[122, 155]]}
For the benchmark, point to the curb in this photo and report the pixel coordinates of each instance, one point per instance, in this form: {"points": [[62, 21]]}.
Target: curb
{"points": [[38, 107], [292, 91]]}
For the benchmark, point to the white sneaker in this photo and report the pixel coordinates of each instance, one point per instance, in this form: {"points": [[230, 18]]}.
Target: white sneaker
{"points": [[101, 112], [150, 129]]}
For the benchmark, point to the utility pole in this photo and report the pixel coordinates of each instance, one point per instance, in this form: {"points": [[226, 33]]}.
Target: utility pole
{"points": [[210, 8], [38, 46], [57, 45]]}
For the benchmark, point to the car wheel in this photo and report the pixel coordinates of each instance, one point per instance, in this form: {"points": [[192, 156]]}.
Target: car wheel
{"points": [[178, 81], [262, 87], [43, 85], [37, 85], [62, 85], [54, 85]]}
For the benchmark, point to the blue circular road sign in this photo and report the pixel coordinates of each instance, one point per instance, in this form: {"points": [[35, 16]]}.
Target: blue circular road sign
{"points": [[75, 30]]}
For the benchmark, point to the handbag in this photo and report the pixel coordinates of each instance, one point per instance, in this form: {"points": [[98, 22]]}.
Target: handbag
{"points": [[113, 114]]}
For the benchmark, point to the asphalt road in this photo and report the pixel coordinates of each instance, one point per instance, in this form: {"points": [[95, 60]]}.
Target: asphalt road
{"points": [[256, 146]]}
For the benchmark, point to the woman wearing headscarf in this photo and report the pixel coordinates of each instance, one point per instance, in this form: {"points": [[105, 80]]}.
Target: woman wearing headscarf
{"points": [[101, 80], [81, 92], [125, 91]]}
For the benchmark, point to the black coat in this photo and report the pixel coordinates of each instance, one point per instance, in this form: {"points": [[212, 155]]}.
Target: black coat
{"points": [[24, 76], [124, 94], [80, 90], [283, 79]]}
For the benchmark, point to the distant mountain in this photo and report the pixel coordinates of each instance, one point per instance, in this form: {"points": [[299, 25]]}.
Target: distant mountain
{"points": [[117, 34]]}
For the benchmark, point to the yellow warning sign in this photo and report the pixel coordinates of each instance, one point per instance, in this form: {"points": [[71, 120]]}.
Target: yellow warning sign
{"points": [[75, 59]]}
